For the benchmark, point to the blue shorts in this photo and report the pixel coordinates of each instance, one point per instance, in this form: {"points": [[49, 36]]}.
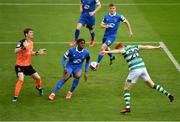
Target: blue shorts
{"points": [[73, 69], [87, 20], [108, 41]]}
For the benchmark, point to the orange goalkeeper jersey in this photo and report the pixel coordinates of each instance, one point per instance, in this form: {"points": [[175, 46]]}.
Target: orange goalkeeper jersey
{"points": [[24, 56]]}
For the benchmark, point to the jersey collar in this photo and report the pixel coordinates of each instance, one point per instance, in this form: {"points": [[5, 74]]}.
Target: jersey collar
{"points": [[112, 15], [79, 51]]}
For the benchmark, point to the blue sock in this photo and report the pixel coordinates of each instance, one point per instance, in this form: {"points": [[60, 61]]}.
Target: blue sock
{"points": [[74, 85], [58, 86], [77, 32], [92, 35], [99, 58], [110, 55]]}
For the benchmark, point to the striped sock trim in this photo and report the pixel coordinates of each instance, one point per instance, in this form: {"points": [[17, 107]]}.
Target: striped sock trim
{"points": [[160, 89], [127, 98]]}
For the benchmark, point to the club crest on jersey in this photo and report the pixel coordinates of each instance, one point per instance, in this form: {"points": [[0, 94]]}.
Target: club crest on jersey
{"points": [[77, 61]]}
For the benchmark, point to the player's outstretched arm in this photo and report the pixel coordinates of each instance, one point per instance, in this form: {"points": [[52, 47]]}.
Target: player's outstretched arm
{"points": [[41, 51], [129, 27], [146, 47], [114, 51]]}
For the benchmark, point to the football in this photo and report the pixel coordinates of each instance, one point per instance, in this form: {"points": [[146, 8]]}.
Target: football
{"points": [[93, 65]]}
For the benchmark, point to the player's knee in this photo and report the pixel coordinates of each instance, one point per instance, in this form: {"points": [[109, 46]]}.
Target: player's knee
{"points": [[79, 26]]}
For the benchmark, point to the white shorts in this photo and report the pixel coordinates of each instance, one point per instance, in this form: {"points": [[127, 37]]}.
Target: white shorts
{"points": [[136, 73]]}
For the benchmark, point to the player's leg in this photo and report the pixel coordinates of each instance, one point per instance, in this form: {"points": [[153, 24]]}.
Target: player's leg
{"points": [[111, 56], [157, 87], [130, 82], [80, 24], [92, 41], [90, 25], [38, 83], [18, 86], [60, 83], [77, 74], [100, 56]]}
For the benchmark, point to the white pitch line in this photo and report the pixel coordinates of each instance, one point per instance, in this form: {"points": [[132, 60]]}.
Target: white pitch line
{"points": [[75, 4], [10, 43], [176, 64]]}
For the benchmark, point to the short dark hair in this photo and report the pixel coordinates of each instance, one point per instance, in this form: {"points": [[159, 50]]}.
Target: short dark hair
{"points": [[26, 30], [111, 5], [80, 40]]}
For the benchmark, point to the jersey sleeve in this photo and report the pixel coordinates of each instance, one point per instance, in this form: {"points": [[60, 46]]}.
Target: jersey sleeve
{"points": [[104, 21], [67, 54], [97, 2], [122, 18], [20, 44]]}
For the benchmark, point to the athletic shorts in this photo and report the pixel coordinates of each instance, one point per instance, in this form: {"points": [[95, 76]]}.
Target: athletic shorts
{"points": [[73, 69], [87, 20], [27, 70], [108, 41], [136, 73]]}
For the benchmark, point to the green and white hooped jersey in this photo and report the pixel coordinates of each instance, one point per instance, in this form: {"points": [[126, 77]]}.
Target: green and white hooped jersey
{"points": [[132, 57]]}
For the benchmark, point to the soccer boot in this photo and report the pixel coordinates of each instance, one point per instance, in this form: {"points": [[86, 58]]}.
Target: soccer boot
{"points": [[111, 60], [171, 97], [69, 95], [14, 99], [125, 110], [91, 43], [41, 93], [52, 96], [73, 43]]}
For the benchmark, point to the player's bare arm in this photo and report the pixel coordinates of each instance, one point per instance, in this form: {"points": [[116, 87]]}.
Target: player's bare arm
{"points": [[129, 27], [143, 47], [96, 10], [81, 9], [114, 51], [104, 25], [41, 51]]}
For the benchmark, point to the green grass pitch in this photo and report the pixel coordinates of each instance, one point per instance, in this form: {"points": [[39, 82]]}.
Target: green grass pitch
{"points": [[101, 97]]}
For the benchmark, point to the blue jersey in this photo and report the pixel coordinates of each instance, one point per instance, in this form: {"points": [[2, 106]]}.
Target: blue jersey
{"points": [[113, 21], [89, 5], [76, 58]]}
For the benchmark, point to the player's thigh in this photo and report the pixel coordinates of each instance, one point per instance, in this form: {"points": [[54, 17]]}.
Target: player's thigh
{"points": [[145, 74], [36, 76], [77, 72], [133, 76], [20, 76], [147, 78], [29, 70], [19, 72], [108, 41], [90, 22]]}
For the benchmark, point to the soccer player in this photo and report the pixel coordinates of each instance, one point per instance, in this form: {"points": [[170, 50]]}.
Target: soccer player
{"points": [[76, 56], [88, 10], [24, 51], [136, 69], [110, 23]]}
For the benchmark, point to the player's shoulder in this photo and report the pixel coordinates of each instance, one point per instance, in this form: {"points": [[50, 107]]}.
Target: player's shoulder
{"points": [[107, 15], [86, 50], [71, 50], [119, 15], [22, 40], [20, 43]]}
